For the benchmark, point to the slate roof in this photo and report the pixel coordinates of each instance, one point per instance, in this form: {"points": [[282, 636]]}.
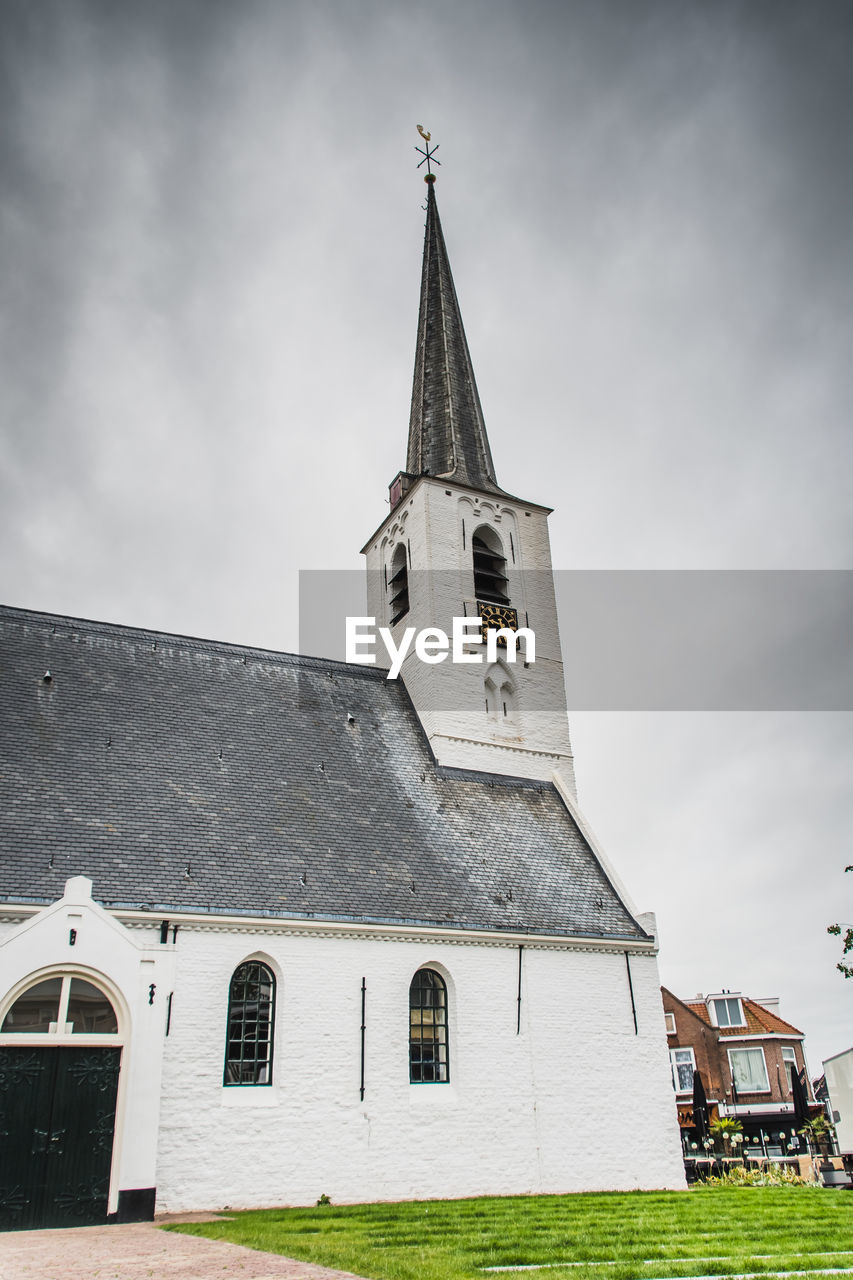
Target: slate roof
{"points": [[759, 1021], [447, 432], [182, 774]]}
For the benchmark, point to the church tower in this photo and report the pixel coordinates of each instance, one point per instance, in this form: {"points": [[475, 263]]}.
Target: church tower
{"points": [[455, 544]]}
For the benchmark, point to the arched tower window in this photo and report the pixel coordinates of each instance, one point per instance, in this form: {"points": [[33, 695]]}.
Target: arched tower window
{"points": [[398, 586], [428, 1048], [490, 580], [251, 1007]]}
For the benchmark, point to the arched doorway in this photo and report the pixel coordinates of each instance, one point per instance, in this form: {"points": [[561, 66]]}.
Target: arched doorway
{"points": [[60, 1057]]}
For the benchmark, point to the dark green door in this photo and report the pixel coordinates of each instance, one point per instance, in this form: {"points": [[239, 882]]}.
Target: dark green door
{"points": [[57, 1119]]}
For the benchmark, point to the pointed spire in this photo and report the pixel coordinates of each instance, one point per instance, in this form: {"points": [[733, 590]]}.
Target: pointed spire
{"points": [[447, 433]]}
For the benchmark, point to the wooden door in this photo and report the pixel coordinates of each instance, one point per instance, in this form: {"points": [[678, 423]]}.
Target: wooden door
{"points": [[57, 1121]]}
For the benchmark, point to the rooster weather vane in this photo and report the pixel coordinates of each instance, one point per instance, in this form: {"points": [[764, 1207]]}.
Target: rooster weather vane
{"points": [[428, 154]]}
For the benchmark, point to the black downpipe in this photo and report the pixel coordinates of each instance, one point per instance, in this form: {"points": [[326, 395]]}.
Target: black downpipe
{"points": [[631, 989], [518, 1018], [363, 1024]]}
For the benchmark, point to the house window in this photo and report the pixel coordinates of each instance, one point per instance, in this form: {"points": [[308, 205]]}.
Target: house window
{"points": [[428, 1060], [251, 1005], [398, 587], [728, 1012], [683, 1065], [749, 1070], [63, 1005], [669, 1019], [790, 1060]]}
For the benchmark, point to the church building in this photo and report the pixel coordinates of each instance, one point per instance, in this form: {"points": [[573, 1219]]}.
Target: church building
{"points": [[275, 926]]}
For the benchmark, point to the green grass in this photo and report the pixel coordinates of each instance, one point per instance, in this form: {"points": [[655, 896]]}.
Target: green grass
{"points": [[615, 1236]]}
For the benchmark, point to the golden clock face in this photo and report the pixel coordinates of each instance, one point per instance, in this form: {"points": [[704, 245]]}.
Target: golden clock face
{"points": [[498, 617]]}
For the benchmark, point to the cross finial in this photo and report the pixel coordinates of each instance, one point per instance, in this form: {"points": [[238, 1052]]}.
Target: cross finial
{"points": [[428, 154]]}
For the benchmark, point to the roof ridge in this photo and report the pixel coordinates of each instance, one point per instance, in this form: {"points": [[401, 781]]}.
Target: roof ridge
{"points": [[122, 630]]}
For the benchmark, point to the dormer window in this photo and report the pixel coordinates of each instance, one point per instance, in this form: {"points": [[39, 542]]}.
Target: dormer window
{"points": [[728, 1011], [398, 586], [490, 580], [398, 488]]}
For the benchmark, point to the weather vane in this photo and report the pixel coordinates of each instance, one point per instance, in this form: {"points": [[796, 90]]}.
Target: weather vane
{"points": [[428, 154]]}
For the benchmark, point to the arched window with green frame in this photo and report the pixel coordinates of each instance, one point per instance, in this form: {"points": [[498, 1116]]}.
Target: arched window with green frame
{"points": [[429, 1061], [251, 1021]]}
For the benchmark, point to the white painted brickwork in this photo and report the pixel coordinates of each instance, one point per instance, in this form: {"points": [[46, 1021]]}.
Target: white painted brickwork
{"points": [[546, 1110], [449, 698]]}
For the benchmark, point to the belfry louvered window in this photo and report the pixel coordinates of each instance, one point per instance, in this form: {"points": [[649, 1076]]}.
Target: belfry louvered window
{"points": [[398, 586], [490, 579], [428, 1048], [251, 1009]]}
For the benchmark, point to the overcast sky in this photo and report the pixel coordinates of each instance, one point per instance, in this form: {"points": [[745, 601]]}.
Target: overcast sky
{"points": [[210, 253]]}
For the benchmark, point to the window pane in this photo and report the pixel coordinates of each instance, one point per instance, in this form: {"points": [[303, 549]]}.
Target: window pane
{"points": [[748, 1070], [790, 1060], [89, 1010], [249, 1028], [682, 1069], [427, 1028], [34, 1011]]}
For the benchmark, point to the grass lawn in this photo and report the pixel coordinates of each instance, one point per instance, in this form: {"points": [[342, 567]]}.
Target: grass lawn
{"points": [[614, 1236]]}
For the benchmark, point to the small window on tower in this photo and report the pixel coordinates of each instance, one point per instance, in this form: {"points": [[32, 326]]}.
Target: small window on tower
{"points": [[490, 580], [398, 587], [500, 697]]}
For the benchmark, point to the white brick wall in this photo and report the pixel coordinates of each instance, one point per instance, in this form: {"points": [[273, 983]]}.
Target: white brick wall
{"points": [[577, 1101], [546, 1110], [449, 698]]}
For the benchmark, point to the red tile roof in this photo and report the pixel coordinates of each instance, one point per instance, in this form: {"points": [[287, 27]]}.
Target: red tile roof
{"points": [[759, 1021]]}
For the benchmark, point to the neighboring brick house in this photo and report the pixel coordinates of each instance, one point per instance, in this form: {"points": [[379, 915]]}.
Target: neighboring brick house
{"points": [[746, 1056]]}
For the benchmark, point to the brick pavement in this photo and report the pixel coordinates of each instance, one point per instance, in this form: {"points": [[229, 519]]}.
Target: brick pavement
{"points": [[141, 1251]]}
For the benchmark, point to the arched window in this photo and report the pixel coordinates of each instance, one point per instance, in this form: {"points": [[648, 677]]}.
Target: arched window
{"points": [[62, 1005], [428, 1056], [398, 586], [490, 581], [251, 1007], [500, 697]]}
